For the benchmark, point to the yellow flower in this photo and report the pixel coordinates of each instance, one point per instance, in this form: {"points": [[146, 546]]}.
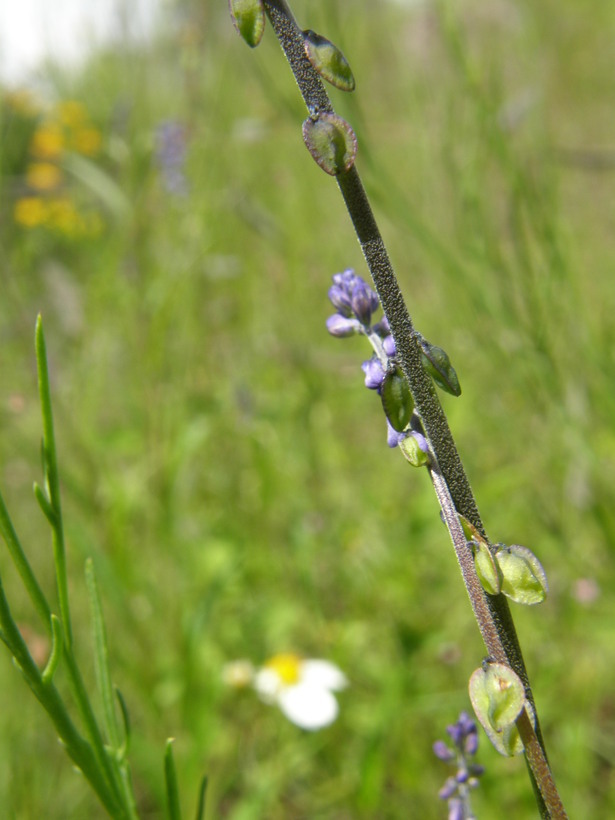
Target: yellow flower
{"points": [[86, 141], [43, 176], [47, 141], [72, 113], [30, 211], [22, 102]]}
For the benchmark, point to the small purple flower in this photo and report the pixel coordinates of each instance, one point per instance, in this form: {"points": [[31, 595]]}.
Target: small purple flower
{"points": [[388, 343], [456, 789], [340, 300], [374, 373], [382, 327], [338, 325], [171, 147], [351, 295]]}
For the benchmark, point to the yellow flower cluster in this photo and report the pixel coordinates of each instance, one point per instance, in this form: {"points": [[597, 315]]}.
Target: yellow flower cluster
{"points": [[47, 203]]}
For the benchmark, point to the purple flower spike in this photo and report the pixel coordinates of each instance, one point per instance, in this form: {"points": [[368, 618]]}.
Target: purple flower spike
{"points": [[457, 789], [171, 148], [341, 326], [374, 373]]}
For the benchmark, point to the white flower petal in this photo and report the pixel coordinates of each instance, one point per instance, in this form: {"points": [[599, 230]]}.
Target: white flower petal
{"points": [[267, 684], [324, 674], [309, 707]]}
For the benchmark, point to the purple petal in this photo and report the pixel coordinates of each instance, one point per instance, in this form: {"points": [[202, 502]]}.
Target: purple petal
{"points": [[362, 303], [393, 437], [341, 326], [382, 328], [346, 280], [442, 751], [340, 300], [471, 744], [421, 441], [374, 373], [456, 810], [388, 344], [449, 789]]}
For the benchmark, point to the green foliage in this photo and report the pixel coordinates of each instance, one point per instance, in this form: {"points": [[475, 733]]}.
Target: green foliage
{"points": [[210, 430]]}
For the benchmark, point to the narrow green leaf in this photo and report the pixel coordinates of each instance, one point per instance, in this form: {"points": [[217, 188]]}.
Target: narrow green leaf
{"points": [[22, 564], [170, 776], [248, 17], [99, 183], [53, 481], [200, 809], [101, 659], [331, 142], [56, 650], [43, 503], [125, 748], [328, 61]]}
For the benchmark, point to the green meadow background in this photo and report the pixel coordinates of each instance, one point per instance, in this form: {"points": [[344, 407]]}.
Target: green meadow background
{"points": [[221, 460]]}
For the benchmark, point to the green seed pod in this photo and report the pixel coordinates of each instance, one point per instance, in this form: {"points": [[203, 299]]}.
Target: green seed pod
{"points": [[498, 696], [248, 17], [523, 577], [331, 142], [328, 61], [413, 452], [436, 362], [396, 398], [486, 568]]}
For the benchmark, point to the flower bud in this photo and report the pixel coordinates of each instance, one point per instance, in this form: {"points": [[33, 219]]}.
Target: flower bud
{"points": [[340, 300], [341, 326], [437, 363], [397, 400], [374, 373], [523, 577]]}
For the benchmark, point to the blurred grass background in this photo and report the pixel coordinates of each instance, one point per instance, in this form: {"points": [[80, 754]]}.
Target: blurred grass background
{"points": [[221, 460]]}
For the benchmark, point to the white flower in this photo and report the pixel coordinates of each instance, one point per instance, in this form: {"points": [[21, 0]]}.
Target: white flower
{"points": [[303, 689]]}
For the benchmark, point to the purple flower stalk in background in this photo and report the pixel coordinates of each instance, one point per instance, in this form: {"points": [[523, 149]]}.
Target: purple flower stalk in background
{"points": [[457, 787], [171, 146]]}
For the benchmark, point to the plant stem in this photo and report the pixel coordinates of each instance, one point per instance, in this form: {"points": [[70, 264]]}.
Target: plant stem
{"points": [[448, 475]]}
